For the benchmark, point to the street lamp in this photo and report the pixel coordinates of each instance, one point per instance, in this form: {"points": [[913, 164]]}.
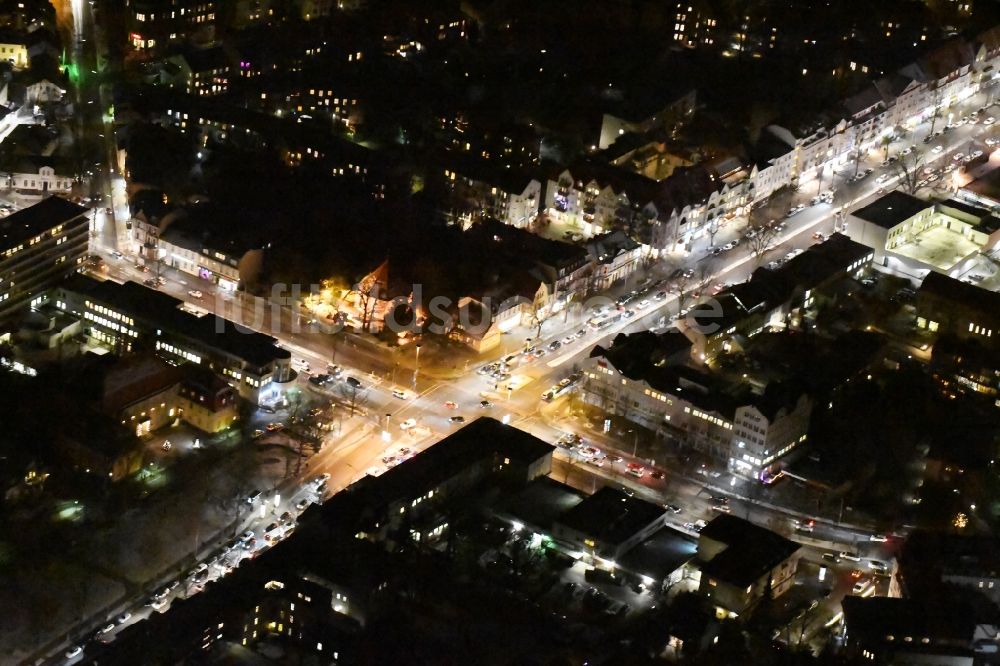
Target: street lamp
{"points": [[416, 367]]}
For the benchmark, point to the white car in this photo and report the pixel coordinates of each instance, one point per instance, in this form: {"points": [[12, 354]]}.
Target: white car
{"points": [[937, 150], [402, 394], [73, 652], [407, 424], [878, 538], [194, 293], [320, 480], [958, 157], [989, 121]]}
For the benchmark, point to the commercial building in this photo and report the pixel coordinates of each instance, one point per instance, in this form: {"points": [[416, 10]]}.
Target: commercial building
{"points": [[406, 501], [39, 246], [743, 564], [38, 175], [913, 236], [126, 316], [608, 524]]}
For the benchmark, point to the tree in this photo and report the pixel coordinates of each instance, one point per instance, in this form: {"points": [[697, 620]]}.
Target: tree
{"points": [[907, 169], [713, 229], [886, 142], [759, 239], [935, 109]]}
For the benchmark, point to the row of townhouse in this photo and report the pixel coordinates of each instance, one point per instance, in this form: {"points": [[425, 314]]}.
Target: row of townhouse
{"points": [[904, 99], [648, 378], [662, 216]]}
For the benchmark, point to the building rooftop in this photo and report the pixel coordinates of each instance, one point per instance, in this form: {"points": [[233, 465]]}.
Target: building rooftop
{"points": [[660, 554], [643, 357], [164, 312], [891, 209], [938, 285], [751, 550], [33, 220], [479, 441], [541, 502], [986, 186], [873, 619], [611, 516]]}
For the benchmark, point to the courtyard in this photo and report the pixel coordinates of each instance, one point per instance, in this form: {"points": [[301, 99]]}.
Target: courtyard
{"points": [[937, 246]]}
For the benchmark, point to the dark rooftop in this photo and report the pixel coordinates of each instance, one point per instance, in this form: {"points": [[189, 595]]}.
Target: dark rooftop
{"points": [[164, 312], [611, 516], [642, 357], [481, 440], [961, 293], [875, 618], [986, 186], [751, 550], [891, 209], [33, 220], [541, 502], [660, 554]]}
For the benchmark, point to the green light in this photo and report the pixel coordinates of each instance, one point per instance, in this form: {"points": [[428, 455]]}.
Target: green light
{"points": [[73, 71]]}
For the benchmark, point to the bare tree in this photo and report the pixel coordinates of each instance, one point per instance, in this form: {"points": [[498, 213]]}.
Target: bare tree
{"points": [[713, 229], [538, 317], [759, 239], [681, 288], [705, 273], [936, 109], [907, 168]]}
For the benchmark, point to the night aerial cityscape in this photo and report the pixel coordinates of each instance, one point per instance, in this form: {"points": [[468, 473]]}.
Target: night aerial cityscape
{"points": [[500, 332]]}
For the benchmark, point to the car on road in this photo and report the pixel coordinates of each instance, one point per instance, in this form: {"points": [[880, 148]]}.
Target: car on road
{"points": [[157, 604], [861, 586], [878, 566], [878, 538], [407, 424], [457, 419], [820, 236], [274, 427], [302, 505], [73, 652], [989, 121], [581, 333], [958, 157], [485, 404], [401, 394], [937, 150], [636, 470], [723, 508], [554, 345], [246, 537], [104, 634], [194, 293], [450, 404], [320, 380], [672, 508], [353, 383], [320, 480], [804, 525], [830, 557], [849, 556], [123, 618]]}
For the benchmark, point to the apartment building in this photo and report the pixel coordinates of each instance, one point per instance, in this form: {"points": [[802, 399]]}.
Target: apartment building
{"points": [[39, 246], [122, 317]]}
